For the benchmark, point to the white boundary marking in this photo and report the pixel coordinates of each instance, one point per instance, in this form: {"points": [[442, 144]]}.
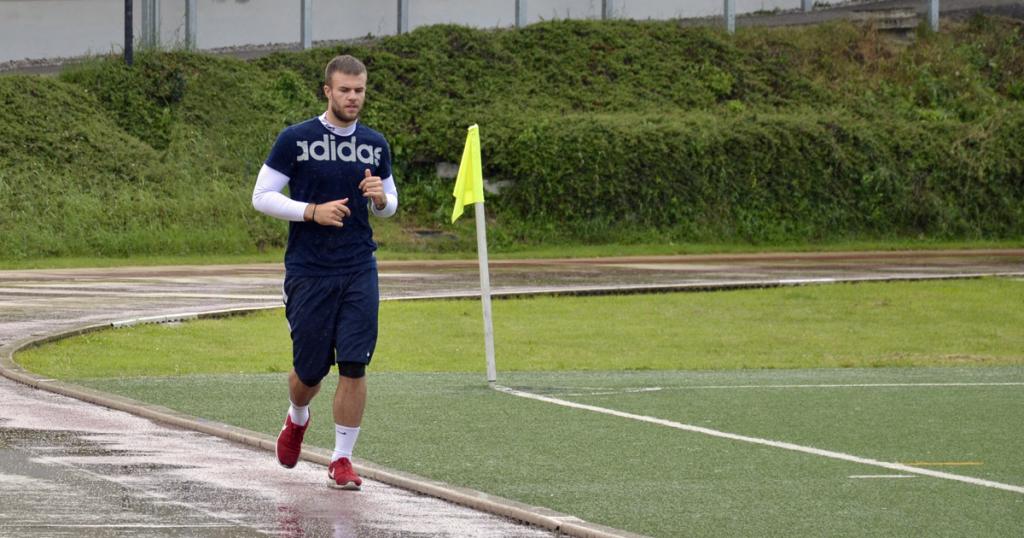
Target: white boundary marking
{"points": [[859, 385], [602, 392], [767, 442], [883, 476]]}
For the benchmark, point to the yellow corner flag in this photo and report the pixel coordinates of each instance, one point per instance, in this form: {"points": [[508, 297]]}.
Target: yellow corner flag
{"points": [[469, 185]]}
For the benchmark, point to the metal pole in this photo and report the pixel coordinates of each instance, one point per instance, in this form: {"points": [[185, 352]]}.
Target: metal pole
{"points": [[933, 15], [156, 23], [730, 16], [606, 9], [306, 30], [151, 23], [147, 9], [520, 13], [485, 291], [129, 34], [190, 24], [807, 5], [403, 16]]}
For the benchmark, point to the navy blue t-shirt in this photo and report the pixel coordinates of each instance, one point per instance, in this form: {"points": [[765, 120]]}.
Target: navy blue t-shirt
{"points": [[323, 167]]}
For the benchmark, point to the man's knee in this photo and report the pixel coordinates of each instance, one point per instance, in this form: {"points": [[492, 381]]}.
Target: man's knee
{"points": [[353, 370], [309, 383]]}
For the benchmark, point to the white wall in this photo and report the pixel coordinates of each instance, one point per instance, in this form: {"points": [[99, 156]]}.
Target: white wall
{"points": [[548, 10], [335, 19], [480, 13], [225, 23], [36, 29], [53, 28]]}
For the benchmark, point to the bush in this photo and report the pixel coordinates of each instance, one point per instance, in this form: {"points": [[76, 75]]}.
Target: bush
{"points": [[606, 130], [763, 177]]}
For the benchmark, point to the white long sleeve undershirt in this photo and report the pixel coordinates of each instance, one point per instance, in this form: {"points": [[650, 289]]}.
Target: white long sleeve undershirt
{"points": [[267, 197]]}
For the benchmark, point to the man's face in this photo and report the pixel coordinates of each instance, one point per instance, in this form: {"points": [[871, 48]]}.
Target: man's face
{"points": [[345, 95]]}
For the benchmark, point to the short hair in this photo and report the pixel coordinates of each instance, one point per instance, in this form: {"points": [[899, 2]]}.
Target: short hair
{"points": [[349, 65]]}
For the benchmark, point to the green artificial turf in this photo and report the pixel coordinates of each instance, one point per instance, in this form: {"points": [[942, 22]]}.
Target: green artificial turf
{"points": [[842, 325], [665, 482], [715, 360]]}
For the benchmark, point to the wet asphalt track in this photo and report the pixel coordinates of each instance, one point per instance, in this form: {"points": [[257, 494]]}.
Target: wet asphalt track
{"points": [[68, 468]]}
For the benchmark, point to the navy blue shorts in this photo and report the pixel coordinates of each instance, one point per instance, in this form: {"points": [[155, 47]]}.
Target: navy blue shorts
{"points": [[332, 319]]}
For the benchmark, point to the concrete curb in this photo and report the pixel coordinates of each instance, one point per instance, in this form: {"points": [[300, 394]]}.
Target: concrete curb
{"points": [[534, 515]]}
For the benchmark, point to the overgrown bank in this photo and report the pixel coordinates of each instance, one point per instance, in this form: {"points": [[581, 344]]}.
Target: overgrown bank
{"points": [[618, 131]]}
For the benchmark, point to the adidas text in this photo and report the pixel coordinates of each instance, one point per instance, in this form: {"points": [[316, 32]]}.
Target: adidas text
{"points": [[329, 149]]}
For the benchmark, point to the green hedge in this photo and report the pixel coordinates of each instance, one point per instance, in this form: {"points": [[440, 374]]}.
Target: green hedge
{"points": [[765, 177], [607, 130]]}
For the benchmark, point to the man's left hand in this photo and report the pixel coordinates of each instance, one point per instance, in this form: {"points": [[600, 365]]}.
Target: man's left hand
{"points": [[373, 188]]}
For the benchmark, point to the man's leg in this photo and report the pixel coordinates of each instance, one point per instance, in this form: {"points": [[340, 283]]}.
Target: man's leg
{"points": [[309, 309], [299, 395], [289, 441], [299, 392], [349, 402], [356, 339]]}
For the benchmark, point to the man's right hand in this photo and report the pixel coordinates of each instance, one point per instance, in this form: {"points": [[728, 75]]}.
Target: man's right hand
{"points": [[329, 213]]}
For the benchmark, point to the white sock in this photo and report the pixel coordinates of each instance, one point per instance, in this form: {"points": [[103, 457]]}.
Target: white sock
{"points": [[299, 414], [344, 441]]}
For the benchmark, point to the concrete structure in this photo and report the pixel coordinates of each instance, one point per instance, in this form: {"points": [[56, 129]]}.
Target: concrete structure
{"points": [[41, 29]]}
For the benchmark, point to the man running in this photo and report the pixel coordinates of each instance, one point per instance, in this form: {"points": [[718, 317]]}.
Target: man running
{"points": [[338, 172]]}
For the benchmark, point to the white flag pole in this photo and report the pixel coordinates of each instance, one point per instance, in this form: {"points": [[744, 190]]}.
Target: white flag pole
{"points": [[485, 290]]}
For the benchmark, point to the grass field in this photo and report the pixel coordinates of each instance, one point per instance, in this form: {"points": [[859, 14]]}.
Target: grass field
{"points": [[666, 482], [756, 363], [897, 324]]}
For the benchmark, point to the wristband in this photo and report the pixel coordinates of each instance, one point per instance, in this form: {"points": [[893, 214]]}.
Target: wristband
{"points": [[312, 217]]}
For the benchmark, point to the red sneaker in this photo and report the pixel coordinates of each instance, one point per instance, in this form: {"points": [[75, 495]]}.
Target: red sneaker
{"points": [[342, 476], [289, 442]]}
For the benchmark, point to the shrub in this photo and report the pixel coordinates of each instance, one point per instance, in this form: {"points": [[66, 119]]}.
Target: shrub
{"points": [[605, 130]]}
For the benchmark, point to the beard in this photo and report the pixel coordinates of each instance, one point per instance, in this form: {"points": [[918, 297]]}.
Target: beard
{"points": [[340, 112]]}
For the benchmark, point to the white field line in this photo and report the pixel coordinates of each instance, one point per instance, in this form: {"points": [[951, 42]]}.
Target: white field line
{"points": [[860, 385], [600, 392], [767, 442], [883, 476]]}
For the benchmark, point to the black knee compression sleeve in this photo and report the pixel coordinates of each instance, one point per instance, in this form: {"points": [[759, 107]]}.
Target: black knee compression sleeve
{"points": [[354, 370]]}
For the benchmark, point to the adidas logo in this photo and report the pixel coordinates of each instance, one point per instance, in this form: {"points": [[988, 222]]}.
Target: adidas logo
{"points": [[346, 150]]}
